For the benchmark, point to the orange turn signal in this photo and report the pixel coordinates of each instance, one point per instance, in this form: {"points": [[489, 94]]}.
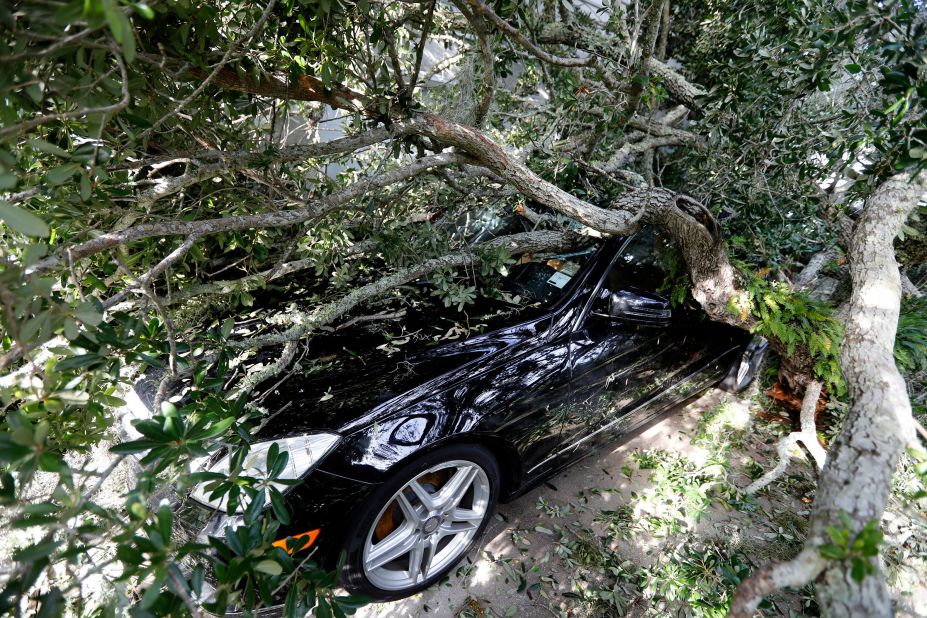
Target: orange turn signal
{"points": [[306, 540]]}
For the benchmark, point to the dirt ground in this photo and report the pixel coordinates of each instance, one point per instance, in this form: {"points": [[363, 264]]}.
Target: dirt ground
{"points": [[531, 560]]}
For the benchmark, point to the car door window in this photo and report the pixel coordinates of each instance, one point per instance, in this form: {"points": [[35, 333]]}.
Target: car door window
{"points": [[544, 279], [642, 265]]}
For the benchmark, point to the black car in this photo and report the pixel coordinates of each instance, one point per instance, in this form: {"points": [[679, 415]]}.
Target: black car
{"points": [[403, 459]]}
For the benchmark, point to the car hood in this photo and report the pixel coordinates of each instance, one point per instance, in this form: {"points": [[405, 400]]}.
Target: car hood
{"points": [[352, 376], [359, 389]]}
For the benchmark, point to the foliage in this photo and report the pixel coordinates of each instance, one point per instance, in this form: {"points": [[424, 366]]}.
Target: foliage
{"points": [[860, 549], [702, 576], [676, 284], [911, 339], [803, 91], [794, 320]]}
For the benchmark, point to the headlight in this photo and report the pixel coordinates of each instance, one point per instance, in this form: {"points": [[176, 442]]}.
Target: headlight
{"points": [[304, 453]]}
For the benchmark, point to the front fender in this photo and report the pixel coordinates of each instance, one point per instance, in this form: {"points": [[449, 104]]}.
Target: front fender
{"points": [[369, 453]]}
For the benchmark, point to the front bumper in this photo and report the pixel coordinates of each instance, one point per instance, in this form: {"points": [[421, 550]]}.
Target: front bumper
{"points": [[323, 501]]}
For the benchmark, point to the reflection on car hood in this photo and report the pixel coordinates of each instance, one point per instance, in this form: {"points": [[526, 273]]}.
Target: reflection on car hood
{"points": [[351, 377], [360, 388]]}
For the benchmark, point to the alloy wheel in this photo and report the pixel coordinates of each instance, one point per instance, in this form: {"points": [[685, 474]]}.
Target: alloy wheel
{"points": [[427, 525]]}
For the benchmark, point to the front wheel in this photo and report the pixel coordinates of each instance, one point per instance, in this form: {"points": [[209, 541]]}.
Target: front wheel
{"points": [[418, 525]]}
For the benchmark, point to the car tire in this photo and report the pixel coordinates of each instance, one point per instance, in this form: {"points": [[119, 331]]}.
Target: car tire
{"points": [[432, 511]]}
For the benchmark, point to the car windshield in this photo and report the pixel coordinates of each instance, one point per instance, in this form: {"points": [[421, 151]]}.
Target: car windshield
{"points": [[543, 280]]}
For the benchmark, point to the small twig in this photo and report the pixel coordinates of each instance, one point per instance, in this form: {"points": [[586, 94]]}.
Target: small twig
{"points": [[143, 288], [370, 318], [156, 270], [920, 428], [225, 59], [106, 109], [287, 579], [529, 45], [420, 50], [181, 589], [807, 436]]}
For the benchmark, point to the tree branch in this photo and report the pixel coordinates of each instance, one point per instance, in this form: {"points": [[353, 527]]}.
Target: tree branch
{"points": [[298, 88], [617, 220], [144, 280], [304, 323], [796, 572], [219, 66], [639, 69], [205, 227], [857, 477], [614, 49], [808, 436], [526, 43]]}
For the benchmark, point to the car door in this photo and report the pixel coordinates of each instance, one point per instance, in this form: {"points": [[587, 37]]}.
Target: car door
{"points": [[527, 388], [619, 368], [533, 391]]}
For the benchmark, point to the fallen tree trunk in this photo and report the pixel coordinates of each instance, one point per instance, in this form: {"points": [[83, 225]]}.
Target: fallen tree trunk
{"points": [[857, 478]]}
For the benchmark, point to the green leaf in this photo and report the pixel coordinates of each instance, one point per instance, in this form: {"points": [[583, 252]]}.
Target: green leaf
{"points": [[72, 398], [135, 446], [323, 609], [353, 601], [278, 503], [43, 146], [10, 452], [52, 462], [121, 28], [76, 362], [8, 181], [217, 429], [71, 329], [165, 520], [62, 173], [832, 552], [143, 9], [34, 552], [859, 569], [88, 313], [85, 187], [255, 507], [270, 567], [22, 220]]}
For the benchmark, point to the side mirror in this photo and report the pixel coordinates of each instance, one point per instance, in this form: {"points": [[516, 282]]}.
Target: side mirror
{"points": [[639, 307]]}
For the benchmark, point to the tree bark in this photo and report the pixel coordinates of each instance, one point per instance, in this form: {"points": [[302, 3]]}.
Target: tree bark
{"points": [[681, 89], [857, 477], [640, 63]]}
